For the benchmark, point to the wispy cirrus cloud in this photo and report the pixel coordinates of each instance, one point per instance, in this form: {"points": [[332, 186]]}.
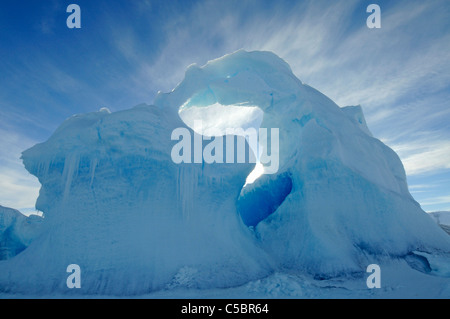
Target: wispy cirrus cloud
{"points": [[18, 187], [422, 156], [437, 200]]}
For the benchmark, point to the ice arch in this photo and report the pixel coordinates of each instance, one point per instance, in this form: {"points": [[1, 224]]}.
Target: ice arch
{"points": [[347, 186], [256, 203]]}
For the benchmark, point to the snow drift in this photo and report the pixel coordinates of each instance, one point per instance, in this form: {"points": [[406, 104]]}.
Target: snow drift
{"points": [[135, 222]]}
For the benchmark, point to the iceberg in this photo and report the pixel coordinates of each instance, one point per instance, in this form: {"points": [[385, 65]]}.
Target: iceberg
{"points": [[117, 205], [17, 231], [339, 193]]}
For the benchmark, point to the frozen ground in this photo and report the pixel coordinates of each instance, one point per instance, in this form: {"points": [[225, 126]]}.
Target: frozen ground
{"points": [[398, 280]]}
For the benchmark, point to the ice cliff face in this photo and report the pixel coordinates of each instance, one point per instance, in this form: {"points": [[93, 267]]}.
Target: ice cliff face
{"points": [[16, 231], [118, 206], [134, 221]]}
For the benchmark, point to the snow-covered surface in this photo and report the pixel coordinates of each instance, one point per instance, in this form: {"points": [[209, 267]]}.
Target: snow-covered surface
{"points": [[442, 219], [398, 280], [139, 224], [355, 113]]}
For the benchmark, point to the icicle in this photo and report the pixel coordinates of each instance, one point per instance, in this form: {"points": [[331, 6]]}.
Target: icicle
{"points": [[92, 167], [70, 169]]}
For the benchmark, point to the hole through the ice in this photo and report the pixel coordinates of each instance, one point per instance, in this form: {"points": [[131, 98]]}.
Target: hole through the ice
{"points": [[261, 199], [219, 118], [261, 194]]}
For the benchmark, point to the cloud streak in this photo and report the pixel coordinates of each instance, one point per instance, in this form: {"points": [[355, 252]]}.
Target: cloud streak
{"points": [[19, 189], [423, 156]]}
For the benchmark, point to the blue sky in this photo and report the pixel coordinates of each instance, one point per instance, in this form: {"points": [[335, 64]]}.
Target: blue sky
{"points": [[127, 51]]}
